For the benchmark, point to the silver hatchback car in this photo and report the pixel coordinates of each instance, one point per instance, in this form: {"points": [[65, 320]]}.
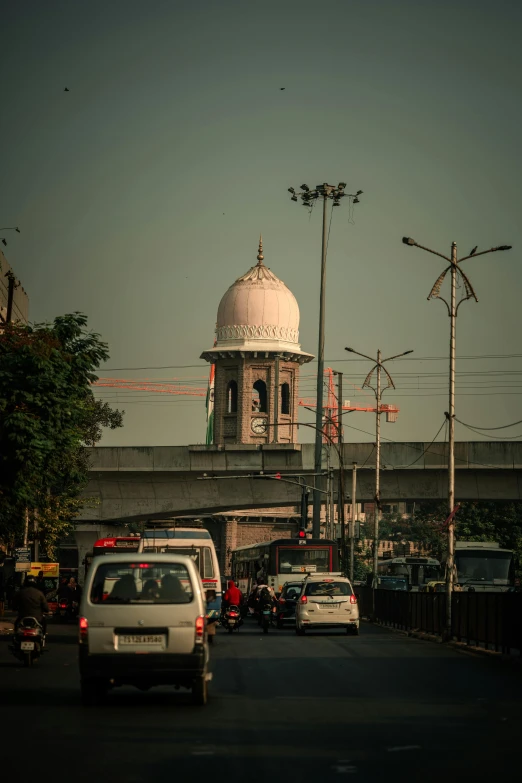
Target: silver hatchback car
{"points": [[142, 622]]}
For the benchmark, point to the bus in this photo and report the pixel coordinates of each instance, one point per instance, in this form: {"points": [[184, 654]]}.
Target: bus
{"points": [[111, 546], [483, 565], [283, 560], [197, 543], [417, 570]]}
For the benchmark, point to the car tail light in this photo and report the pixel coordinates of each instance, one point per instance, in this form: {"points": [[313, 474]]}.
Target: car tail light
{"points": [[200, 628], [63, 604], [303, 599], [353, 599], [83, 626], [282, 601]]}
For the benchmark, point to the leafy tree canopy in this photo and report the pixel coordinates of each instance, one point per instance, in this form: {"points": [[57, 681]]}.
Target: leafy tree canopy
{"points": [[48, 415]]}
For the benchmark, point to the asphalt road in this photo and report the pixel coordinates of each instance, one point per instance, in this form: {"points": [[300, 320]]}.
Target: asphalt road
{"points": [[378, 707]]}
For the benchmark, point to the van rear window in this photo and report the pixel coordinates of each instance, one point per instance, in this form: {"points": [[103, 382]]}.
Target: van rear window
{"points": [[141, 583]]}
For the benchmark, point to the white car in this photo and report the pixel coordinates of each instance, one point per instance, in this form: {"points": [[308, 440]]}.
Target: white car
{"points": [[327, 601], [142, 622]]}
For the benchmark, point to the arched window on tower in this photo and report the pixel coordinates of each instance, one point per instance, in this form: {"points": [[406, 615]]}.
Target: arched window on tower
{"points": [[285, 398], [259, 397], [232, 397]]}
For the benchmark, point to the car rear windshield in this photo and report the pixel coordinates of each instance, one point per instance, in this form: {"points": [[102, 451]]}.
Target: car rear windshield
{"points": [[328, 588], [292, 591], [142, 583]]}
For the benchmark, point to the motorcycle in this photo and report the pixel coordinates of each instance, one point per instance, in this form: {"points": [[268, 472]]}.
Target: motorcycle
{"points": [[265, 615], [72, 611], [62, 607], [231, 618], [29, 641]]}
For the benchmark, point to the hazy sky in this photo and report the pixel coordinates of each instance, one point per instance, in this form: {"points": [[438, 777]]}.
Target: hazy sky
{"points": [[141, 192]]}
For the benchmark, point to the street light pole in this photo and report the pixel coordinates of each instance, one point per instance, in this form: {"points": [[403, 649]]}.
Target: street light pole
{"points": [[352, 521], [452, 308], [340, 504], [378, 391], [335, 193]]}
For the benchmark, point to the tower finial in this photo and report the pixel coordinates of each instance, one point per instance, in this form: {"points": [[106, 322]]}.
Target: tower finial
{"points": [[260, 256]]}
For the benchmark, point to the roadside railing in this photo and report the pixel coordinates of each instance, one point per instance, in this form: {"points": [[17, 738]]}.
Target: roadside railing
{"points": [[492, 620]]}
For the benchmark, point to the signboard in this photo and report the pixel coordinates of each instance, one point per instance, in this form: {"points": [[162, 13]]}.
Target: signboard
{"points": [[23, 559], [51, 570]]}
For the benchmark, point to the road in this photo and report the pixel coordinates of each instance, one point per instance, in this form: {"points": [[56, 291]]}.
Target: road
{"points": [[377, 707]]}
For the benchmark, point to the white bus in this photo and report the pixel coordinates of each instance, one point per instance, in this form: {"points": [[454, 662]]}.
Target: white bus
{"points": [[195, 542]]}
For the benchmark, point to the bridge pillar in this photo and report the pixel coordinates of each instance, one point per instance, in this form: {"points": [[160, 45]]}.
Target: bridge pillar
{"points": [[230, 545]]}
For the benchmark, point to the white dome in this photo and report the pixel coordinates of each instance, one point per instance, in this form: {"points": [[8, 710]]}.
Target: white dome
{"points": [[258, 308]]}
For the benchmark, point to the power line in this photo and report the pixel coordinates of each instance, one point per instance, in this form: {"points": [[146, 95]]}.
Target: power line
{"points": [[504, 427]]}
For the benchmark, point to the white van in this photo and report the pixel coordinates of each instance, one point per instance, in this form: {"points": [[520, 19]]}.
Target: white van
{"points": [[195, 542], [148, 629], [327, 601]]}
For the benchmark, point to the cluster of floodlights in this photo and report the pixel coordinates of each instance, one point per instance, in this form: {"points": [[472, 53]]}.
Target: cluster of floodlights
{"points": [[336, 193]]}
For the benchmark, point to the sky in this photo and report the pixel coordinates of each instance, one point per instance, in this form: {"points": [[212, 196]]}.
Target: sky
{"points": [[141, 192]]}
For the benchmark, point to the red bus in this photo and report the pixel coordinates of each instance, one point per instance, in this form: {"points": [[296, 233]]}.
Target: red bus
{"points": [[111, 546]]}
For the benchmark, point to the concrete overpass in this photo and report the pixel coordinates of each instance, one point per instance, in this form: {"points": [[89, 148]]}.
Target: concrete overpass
{"points": [[133, 483]]}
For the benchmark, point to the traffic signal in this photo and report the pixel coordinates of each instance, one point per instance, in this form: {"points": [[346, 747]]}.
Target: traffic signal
{"points": [[301, 533]]}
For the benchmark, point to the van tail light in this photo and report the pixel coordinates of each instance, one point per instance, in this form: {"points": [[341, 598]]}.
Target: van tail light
{"points": [[303, 599], [200, 628], [282, 601], [83, 626], [353, 599]]}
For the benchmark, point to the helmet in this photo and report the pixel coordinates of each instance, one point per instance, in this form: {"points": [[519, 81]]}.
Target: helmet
{"points": [[30, 580]]}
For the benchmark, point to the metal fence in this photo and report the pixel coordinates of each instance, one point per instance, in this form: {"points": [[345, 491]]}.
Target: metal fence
{"points": [[492, 620]]}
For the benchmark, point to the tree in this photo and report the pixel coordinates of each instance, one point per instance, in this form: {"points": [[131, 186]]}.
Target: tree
{"points": [[48, 415]]}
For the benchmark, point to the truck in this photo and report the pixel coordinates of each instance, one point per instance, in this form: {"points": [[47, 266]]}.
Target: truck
{"points": [[483, 566]]}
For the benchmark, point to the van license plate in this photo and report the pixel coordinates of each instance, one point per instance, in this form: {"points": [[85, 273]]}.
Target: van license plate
{"points": [[27, 646], [140, 639]]}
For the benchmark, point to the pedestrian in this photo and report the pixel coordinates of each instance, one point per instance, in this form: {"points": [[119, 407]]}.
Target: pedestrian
{"points": [[40, 582]]}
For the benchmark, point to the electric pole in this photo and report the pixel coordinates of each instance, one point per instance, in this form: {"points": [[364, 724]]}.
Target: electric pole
{"points": [[378, 391], [334, 193], [452, 309]]}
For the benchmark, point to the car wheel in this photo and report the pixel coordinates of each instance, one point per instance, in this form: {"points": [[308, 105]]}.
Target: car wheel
{"points": [[200, 691], [93, 692], [353, 631], [279, 625]]}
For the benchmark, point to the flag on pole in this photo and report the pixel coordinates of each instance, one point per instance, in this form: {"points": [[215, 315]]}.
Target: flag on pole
{"points": [[210, 406]]}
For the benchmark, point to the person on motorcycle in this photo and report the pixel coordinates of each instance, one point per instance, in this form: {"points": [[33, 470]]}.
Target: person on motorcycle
{"points": [[265, 595], [233, 596], [31, 602], [63, 589]]}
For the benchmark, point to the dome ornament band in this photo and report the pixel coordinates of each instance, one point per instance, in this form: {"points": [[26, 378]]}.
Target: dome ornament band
{"points": [[260, 256]]}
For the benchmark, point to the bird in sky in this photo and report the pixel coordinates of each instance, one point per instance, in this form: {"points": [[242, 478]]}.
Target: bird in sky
{"points": [[474, 250], [66, 89], [282, 88]]}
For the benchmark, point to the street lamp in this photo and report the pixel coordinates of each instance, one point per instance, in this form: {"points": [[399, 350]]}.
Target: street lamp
{"points": [[378, 391], [452, 308], [334, 193], [8, 228]]}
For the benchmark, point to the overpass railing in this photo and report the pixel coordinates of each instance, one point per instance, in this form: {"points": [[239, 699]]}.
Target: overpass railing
{"points": [[490, 620]]}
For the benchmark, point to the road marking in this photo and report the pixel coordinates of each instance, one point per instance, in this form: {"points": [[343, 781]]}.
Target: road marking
{"points": [[403, 747], [344, 769]]}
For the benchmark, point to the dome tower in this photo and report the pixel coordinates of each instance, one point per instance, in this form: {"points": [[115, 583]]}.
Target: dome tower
{"points": [[257, 339]]}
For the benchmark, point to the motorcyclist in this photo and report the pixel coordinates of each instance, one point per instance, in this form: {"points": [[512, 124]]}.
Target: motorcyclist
{"points": [[233, 596], [31, 602], [265, 594], [63, 590], [74, 596]]}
